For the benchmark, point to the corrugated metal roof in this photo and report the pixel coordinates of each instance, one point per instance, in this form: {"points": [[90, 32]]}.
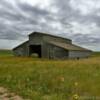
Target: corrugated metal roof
{"points": [[48, 34], [68, 46]]}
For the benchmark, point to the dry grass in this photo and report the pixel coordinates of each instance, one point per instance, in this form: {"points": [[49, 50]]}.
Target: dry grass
{"points": [[50, 79]]}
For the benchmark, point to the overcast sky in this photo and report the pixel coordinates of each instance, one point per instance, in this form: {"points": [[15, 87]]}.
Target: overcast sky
{"points": [[78, 20]]}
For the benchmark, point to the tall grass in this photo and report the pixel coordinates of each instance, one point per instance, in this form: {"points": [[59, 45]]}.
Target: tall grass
{"points": [[50, 79]]}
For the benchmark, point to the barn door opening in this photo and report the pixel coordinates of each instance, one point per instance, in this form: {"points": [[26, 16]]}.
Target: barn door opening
{"points": [[35, 50]]}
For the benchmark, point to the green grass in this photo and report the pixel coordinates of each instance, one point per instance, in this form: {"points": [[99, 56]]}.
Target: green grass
{"points": [[50, 79], [96, 54], [5, 53]]}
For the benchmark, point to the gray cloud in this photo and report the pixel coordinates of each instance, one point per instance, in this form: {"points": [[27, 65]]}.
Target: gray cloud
{"points": [[81, 24]]}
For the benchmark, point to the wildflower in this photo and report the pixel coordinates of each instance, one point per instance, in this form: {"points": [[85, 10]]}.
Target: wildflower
{"points": [[75, 97], [76, 83]]}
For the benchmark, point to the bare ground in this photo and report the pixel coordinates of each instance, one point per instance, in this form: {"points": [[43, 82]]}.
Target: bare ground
{"points": [[6, 95]]}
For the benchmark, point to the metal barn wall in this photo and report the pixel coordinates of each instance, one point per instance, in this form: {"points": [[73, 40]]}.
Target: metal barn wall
{"points": [[44, 50], [35, 39], [22, 50], [55, 52], [48, 50], [79, 54]]}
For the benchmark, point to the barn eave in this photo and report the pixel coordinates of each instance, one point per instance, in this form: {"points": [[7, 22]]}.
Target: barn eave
{"points": [[20, 45]]}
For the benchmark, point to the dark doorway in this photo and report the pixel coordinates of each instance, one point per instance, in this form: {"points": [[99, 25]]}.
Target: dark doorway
{"points": [[35, 50]]}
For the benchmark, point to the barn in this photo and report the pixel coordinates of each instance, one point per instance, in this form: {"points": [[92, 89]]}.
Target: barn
{"points": [[51, 47]]}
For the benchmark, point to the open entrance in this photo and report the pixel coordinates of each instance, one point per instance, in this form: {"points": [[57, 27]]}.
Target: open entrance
{"points": [[35, 50]]}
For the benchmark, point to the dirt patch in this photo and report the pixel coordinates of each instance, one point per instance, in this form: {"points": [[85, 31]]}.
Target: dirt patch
{"points": [[6, 95]]}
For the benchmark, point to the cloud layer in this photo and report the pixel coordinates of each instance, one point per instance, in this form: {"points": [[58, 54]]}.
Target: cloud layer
{"points": [[75, 19]]}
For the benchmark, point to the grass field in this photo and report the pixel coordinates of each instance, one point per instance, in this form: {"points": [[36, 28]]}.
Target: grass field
{"points": [[50, 79]]}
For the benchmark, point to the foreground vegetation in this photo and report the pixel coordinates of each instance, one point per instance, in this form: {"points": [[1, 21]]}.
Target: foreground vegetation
{"points": [[51, 80]]}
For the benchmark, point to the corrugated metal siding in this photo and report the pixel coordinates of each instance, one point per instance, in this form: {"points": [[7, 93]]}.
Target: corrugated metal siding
{"points": [[55, 52], [79, 54], [22, 50], [60, 53], [55, 37], [35, 39]]}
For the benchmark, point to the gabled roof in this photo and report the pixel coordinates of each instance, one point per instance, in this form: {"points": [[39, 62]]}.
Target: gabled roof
{"points": [[63, 45], [66, 46], [56, 36]]}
